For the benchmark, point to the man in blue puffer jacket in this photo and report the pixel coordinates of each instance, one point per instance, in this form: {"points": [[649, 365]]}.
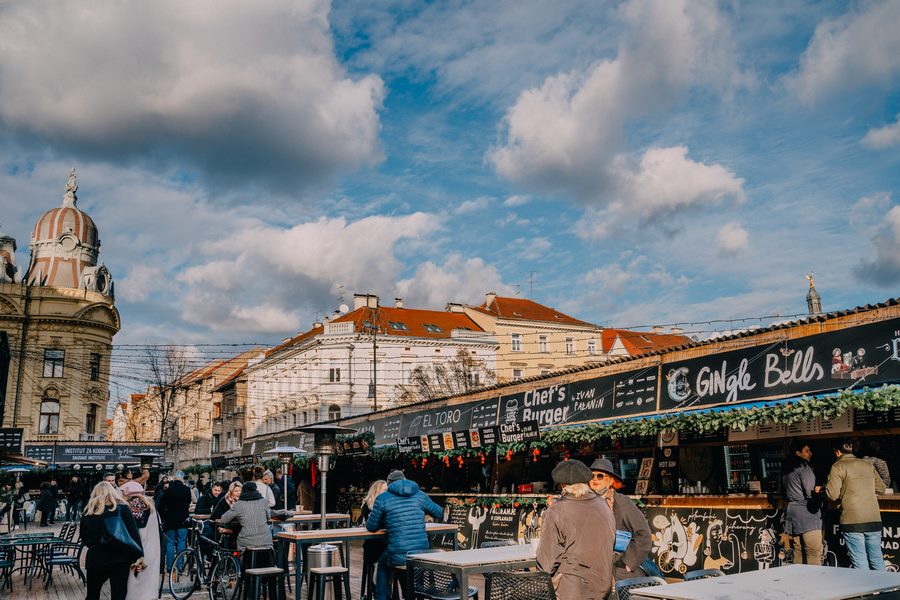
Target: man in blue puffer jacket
{"points": [[401, 510]]}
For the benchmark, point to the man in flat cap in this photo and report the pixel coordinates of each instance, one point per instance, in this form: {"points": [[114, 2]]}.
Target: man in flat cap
{"points": [[633, 537], [577, 537]]}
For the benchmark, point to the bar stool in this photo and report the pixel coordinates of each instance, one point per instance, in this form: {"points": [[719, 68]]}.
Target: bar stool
{"points": [[319, 577], [397, 582], [256, 578], [254, 558]]}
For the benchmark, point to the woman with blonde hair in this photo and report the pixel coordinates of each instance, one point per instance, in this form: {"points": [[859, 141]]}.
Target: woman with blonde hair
{"points": [[226, 501], [372, 549], [109, 557], [145, 583]]}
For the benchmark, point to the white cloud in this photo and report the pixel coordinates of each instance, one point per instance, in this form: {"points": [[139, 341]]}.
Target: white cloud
{"points": [[472, 206], [567, 134], [732, 238], [223, 87], [459, 279], [870, 209], [883, 137], [516, 200], [883, 269], [859, 48], [631, 274], [531, 248], [142, 281]]}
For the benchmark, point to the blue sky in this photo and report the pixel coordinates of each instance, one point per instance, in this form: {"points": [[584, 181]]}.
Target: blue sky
{"points": [[631, 163]]}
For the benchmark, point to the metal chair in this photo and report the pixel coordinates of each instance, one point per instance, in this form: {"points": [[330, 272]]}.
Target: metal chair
{"points": [[624, 586], [437, 585], [67, 556], [703, 574], [7, 562], [499, 544], [519, 585]]}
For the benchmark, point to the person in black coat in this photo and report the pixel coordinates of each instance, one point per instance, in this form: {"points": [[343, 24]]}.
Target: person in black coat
{"points": [[105, 561], [174, 512], [281, 481], [46, 503], [74, 497], [208, 500]]}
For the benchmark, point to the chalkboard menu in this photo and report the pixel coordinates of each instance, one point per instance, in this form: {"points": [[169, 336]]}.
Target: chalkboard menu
{"points": [[635, 393], [484, 414], [517, 433], [409, 445], [11, 439], [436, 442], [42, 452], [501, 524], [868, 419], [488, 436]]}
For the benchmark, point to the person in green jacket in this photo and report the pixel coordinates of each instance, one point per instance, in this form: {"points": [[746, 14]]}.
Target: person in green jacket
{"points": [[854, 483]]}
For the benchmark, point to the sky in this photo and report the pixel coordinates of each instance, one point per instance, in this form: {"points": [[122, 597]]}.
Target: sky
{"points": [[252, 165]]}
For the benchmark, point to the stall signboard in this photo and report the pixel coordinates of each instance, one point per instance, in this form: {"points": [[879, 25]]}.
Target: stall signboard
{"points": [[240, 462], [409, 445], [517, 433], [812, 364], [104, 453], [868, 419], [461, 439], [11, 439], [635, 392], [667, 470], [489, 436], [436, 442], [355, 446], [689, 436], [217, 462]]}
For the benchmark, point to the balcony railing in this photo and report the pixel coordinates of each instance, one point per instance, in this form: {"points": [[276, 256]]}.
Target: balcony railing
{"points": [[339, 328]]}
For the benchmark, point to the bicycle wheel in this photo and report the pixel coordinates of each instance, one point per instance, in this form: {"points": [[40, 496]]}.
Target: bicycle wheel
{"points": [[223, 583], [184, 577]]}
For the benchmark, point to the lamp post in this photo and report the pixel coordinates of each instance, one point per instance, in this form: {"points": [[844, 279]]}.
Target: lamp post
{"points": [[325, 445], [285, 455]]}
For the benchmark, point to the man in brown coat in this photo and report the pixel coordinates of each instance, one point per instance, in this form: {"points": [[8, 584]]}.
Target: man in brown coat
{"points": [[855, 483], [577, 536]]}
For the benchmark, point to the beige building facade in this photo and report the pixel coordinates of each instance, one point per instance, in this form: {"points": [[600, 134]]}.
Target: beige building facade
{"points": [[59, 323]]}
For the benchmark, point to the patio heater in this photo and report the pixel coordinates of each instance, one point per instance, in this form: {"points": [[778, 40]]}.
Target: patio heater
{"points": [[325, 445], [146, 459], [285, 456]]}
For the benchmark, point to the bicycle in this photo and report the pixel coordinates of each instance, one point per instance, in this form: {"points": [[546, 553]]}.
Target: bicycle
{"points": [[192, 571]]}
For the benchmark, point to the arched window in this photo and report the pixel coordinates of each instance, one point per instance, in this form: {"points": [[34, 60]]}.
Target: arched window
{"points": [[334, 412], [306, 417], [49, 416]]}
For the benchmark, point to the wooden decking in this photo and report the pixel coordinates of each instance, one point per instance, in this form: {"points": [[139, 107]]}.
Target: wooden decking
{"points": [[69, 587]]}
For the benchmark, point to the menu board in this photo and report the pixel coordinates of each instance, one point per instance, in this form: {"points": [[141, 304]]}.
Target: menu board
{"points": [[635, 392], [488, 436], [42, 452], [11, 439], [517, 433], [869, 419], [689, 436], [409, 445], [501, 524], [484, 414]]}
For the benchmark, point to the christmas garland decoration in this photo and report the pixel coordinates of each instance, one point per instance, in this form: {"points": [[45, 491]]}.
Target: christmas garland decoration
{"points": [[498, 501]]}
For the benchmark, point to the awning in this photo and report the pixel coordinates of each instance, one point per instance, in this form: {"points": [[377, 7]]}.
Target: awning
{"points": [[13, 459]]}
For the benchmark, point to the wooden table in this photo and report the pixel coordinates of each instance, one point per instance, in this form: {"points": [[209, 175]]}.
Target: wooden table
{"points": [[343, 537], [791, 582], [463, 563], [330, 519]]}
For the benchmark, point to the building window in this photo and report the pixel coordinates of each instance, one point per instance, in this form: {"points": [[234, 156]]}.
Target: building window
{"points": [[217, 410], [517, 373], [334, 375], [592, 347], [215, 443], [542, 344], [516, 342], [334, 412], [49, 416], [90, 420], [316, 415], [570, 345], [405, 372], [432, 328], [305, 418], [474, 378], [53, 362], [95, 367], [398, 325]]}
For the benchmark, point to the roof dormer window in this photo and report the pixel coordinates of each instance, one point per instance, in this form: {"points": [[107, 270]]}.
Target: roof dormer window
{"points": [[432, 328], [398, 326]]}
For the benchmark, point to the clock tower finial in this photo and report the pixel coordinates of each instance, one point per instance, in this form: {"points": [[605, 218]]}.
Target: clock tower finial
{"points": [[813, 299]]}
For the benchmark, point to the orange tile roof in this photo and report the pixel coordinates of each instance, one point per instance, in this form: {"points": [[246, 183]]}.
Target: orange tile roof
{"points": [[297, 339], [639, 342], [527, 310], [440, 323], [225, 367]]}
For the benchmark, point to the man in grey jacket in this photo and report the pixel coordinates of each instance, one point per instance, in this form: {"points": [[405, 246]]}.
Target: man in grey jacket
{"points": [[252, 512], [855, 483]]}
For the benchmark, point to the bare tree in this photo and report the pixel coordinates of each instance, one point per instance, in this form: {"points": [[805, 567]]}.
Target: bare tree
{"points": [[169, 368], [459, 375]]}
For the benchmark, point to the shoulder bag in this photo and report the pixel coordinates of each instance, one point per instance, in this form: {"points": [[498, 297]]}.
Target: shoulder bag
{"points": [[116, 537]]}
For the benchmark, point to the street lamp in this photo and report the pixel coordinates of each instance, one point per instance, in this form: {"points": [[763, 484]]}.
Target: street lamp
{"points": [[285, 456], [325, 445]]}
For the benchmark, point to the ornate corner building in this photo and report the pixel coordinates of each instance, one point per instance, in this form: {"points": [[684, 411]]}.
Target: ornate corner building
{"points": [[57, 321]]}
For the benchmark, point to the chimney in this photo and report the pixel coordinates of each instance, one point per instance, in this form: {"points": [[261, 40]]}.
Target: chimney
{"points": [[454, 307], [365, 300], [489, 299], [677, 330], [398, 302], [656, 329]]}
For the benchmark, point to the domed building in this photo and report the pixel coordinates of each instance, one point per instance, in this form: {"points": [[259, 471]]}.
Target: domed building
{"points": [[57, 322]]}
